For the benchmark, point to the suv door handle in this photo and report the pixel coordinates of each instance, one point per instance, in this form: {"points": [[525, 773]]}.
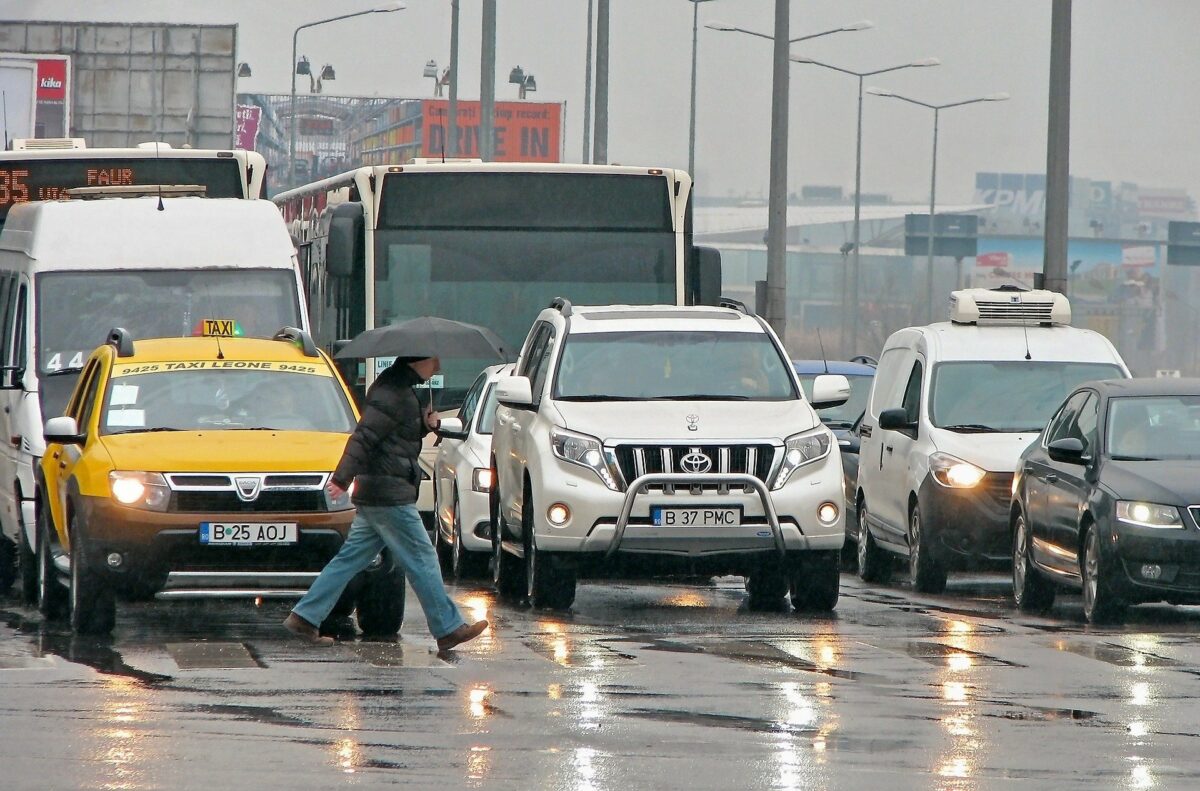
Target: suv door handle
{"points": [[890, 449]]}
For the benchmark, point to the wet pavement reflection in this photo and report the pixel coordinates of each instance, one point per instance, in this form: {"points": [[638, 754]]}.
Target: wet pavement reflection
{"points": [[639, 685]]}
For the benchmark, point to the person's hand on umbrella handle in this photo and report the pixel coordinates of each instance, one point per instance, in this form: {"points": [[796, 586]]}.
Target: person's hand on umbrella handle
{"points": [[432, 421]]}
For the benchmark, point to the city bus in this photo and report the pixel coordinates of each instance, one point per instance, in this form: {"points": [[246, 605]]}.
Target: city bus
{"points": [[490, 244], [47, 169]]}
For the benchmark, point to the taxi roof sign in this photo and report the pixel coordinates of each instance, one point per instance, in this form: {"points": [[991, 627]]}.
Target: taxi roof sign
{"points": [[219, 328]]}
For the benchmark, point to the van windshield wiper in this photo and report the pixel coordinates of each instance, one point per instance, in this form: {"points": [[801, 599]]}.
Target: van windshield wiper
{"points": [[63, 371], [972, 428]]}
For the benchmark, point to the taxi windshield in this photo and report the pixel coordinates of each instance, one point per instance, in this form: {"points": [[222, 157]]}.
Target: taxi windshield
{"points": [[185, 399]]}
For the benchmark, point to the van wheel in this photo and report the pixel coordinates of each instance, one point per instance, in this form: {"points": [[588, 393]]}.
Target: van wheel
{"points": [[27, 562], [1102, 600], [928, 575], [52, 596], [1032, 591], [874, 564], [767, 585], [380, 601], [93, 603], [508, 571], [815, 581]]}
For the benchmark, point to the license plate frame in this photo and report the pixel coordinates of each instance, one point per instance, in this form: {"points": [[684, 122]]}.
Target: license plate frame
{"points": [[253, 534], [696, 515]]}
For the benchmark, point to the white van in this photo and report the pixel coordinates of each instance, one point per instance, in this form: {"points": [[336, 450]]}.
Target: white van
{"points": [[72, 270], [952, 407]]}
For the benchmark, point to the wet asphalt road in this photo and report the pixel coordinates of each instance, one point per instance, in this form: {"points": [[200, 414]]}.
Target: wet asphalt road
{"points": [[639, 686]]}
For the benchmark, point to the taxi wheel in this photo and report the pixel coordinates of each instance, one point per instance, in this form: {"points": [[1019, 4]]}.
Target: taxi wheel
{"points": [[380, 601], [52, 596], [816, 581], [549, 581], [767, 585], [874, 563], [508, 572], [8, 564], [28, 565], [1102, 601], [1032, 591], [93, 605], [464, 564], [927, 574]]}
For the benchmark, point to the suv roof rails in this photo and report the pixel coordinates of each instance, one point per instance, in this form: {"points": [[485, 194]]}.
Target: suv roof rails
{"points": [[122, 339], [298, 337], [562, 305], [729, 302]]}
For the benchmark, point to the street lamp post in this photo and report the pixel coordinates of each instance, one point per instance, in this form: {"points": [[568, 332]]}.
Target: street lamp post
{"points": [[851, 320], [937, 109], [692, 124], [383, 9], [777, 192]]}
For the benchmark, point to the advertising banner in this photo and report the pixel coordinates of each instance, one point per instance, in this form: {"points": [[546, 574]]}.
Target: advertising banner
{"points": [[246, 123], [524, 131]]}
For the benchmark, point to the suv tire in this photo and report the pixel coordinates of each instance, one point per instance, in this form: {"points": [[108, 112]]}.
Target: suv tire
{"points": [[815, 581], [52, 596], [93, 603], [874, 563], [549, 579], [380, 601], [927, 573], [508, 572], [1032, 591], [767, 585]]}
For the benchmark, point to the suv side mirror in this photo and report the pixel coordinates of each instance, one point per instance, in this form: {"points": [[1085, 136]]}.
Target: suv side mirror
{"points": [[830, 390], [1068, 450], [452, 428], [62, 430], [895, 420], [514, 391]]}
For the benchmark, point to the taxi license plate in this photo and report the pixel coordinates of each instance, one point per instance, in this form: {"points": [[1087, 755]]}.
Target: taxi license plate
{"points": [[664, 516], [248, 532]]}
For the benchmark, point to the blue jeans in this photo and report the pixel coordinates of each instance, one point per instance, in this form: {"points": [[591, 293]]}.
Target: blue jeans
{"points": [[400, 529]]}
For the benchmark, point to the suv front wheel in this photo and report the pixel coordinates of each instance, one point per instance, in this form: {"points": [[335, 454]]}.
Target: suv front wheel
{"points": [[816, 581], [549, 580], [508, 572]]}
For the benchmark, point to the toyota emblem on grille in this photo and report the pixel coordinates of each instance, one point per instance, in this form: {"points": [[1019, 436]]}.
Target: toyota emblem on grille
{"points": [[247, 489], [693, 422], [695, 462]]}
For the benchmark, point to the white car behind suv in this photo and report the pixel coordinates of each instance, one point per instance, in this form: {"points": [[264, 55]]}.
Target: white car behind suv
{"points": [[676, 435]]}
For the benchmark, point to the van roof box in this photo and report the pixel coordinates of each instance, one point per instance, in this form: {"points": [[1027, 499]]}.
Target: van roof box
{"points": [[1009, 305], [47, 143]]}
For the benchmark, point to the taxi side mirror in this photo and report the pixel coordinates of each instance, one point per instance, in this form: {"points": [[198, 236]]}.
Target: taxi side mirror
{"points": [[63, 430]]}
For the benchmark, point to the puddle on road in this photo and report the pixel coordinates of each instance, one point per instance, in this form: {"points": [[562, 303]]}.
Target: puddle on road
{"points": [[94, 652], [212, 656], [759, 653], [568, 649], [942, 655], [263, 715], [1041, 714], [752, 724], [1115, 654], [397, 654]]}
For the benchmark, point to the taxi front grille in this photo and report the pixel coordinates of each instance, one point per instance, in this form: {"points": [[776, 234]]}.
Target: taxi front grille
{"points": [[227, 502]]}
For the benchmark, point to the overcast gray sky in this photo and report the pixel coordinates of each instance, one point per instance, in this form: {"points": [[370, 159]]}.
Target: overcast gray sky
{"points": [[1133, 117]]}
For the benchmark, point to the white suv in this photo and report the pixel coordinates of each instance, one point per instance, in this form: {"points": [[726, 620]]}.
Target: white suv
{"points": [[679, 435]]}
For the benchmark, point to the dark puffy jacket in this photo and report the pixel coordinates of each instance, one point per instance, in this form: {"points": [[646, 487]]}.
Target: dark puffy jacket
{"points": [[381, 455]]}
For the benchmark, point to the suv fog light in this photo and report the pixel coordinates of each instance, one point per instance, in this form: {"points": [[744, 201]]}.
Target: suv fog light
{"points": [[558, 514], [827, 513], [114, 560], [1152, 571]]}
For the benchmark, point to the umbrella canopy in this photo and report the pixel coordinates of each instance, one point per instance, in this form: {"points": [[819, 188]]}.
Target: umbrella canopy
{"points": [[427, 336]]}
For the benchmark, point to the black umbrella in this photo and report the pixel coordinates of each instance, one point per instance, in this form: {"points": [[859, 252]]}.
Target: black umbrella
{"points": [[427, 336]]}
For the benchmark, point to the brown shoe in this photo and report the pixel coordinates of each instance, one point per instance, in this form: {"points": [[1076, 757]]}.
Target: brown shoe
{"points": [[305, 630], [468, 631]]}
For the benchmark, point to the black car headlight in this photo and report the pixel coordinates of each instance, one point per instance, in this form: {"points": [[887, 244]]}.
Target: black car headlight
{"points": [[1139, 514]]}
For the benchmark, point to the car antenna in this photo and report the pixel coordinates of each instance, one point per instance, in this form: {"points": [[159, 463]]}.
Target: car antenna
{"points": [[1025, 329], [158, 175], [443, 162], [824, 359]]}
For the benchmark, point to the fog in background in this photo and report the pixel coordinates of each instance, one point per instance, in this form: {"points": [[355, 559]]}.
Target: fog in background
{"points": [[1133, 115]]}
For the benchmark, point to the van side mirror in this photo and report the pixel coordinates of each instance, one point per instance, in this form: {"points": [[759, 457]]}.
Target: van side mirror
{"points": [[452, 428], [344, 246], [11, 377], [830, 390], [62, 430], [1068, 450], [514, 391], [895, 420]]}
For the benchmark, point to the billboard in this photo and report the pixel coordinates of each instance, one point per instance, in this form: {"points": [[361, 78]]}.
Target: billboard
{"points": [[1100, 270], [523, 131]]}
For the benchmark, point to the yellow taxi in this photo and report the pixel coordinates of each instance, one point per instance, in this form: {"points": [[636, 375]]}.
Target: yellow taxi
{"points": [[197, 467]]}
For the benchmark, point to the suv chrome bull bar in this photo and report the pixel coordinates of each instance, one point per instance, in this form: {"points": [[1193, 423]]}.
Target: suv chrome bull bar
{"points": [[742, 480]]}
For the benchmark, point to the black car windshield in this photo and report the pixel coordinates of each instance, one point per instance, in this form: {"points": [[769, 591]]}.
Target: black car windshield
{"points": [[1006, 396], [673, 365], [1154, 427], [842, 416], [189, 400]]}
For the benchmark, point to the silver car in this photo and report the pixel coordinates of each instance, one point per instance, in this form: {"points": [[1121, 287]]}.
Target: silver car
{"points": [[462, 480]]}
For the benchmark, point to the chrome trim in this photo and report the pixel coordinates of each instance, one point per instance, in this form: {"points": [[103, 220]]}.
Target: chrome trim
{"points": [[232, 593], [639, 461], [177, 481], [243, 580]]}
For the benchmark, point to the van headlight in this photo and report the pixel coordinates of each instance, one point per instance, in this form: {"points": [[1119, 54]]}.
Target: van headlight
{"points": [[145, 490], [586, 452], [953, 472], [802, 449], [1141, 514]]}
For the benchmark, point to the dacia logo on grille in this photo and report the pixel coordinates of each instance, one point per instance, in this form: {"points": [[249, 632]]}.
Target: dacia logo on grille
{"points": [[695, 462], [693, 422], [247, 489]]}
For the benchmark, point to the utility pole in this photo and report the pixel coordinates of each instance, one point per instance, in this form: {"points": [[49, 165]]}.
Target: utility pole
{"points": [[487, 84], [600, 152], [587, 91], [777, 195], [453, 110], [1058, 148]]}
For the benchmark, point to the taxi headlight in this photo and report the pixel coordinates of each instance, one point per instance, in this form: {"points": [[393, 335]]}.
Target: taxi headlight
{"points": [[953, 472], [586, 452], [146, 490], [341, 502], [1132, 512], [802, 449]]}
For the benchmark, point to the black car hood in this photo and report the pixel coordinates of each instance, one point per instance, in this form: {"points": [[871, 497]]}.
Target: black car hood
{"points": [[1169, 482]]}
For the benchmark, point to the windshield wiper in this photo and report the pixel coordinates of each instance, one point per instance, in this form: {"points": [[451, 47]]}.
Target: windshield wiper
{"points": [[839, 423], [701, 397], [63, 371], [972, 428], [601, 398], [1115, 457], [147, 430]]}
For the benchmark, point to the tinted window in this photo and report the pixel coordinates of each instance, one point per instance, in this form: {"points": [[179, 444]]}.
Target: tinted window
{"points": [[1062, 422], [912, 394], [1158, 427], [471, 402], [1087, 424], [487, 412]]}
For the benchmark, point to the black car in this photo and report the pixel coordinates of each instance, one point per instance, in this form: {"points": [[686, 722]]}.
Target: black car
{"points": [[1108, 497]]}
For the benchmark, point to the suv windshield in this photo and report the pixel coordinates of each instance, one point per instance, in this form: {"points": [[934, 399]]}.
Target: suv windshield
{"points": [[1154, 428], [1006, 396], [190, 400], [690, 365]]}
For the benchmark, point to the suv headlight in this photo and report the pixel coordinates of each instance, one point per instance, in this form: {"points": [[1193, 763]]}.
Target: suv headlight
{"points": [[341, 502], [586, 452], [802, 449], [145, 490], [953, 472], [1132, 512]]}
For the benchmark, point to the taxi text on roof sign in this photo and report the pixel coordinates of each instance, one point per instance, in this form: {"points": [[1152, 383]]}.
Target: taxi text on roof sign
{"points": [[130, 369], [220, 328]]}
